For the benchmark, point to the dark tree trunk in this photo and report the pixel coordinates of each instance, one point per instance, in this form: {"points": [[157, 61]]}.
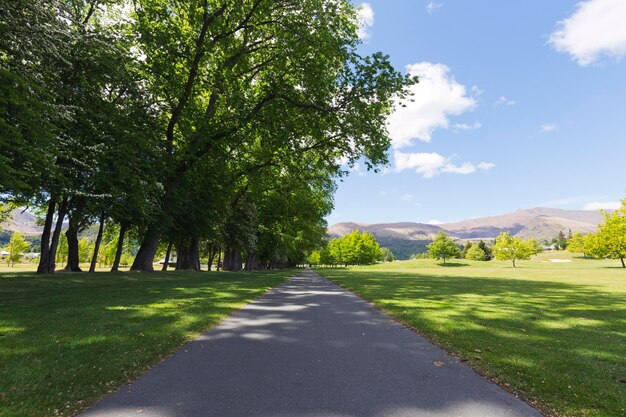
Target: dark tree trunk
{"points": [[252, 262], [194, 254], [514, 264], [219, 259], [44, 258], [188, 254], [96, 249], [623, 264], [73, 257], [144, 261], [232, 259], [55, 236], [211, 258], [120, 249], [168, 253]]}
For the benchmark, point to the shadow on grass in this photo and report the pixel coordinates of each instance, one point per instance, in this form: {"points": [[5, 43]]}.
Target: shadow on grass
{"points": [[65, 340], [561, 342]]}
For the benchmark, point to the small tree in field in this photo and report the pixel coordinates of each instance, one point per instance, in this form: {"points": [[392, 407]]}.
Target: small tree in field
{"points": [[577, 244], [610, 241], [509, 248], [442, 247], [16, 246], [475, 253]]}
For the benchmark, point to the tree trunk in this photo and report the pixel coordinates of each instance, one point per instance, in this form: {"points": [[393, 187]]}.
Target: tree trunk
{"points": [[219, 259], [188, 255], [120, 249], [514, 264], [44, 257], [166, 260], [252, 262], [96, 249], [211, 258], [55, 236], [623, 264], [144, 261], [73, 257], [232, 259]]}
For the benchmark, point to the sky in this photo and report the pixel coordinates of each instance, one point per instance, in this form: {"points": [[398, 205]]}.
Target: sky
{"points": [[520, 104]]}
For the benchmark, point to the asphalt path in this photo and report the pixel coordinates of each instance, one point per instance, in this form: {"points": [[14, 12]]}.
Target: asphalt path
{"points": [[309, 348]]}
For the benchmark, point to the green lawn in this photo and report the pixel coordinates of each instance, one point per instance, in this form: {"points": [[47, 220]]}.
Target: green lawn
{"points": [[555, 333], [68, 339]]}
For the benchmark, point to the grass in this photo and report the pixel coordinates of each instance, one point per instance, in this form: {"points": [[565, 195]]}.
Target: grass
{"points": [[554, 333], [68, 339]]}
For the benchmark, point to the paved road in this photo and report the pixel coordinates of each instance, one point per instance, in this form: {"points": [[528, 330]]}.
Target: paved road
{"points": [[310, 349]]}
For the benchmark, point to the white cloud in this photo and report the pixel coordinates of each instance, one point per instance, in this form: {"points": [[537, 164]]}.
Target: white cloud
{"points": [[434, 222], [596, 28], [406, 197], [548, 127], [504, 101], [435, 98], [606, 205], [433, 7], [465, 126], [484, 166], [365, 16], [429, 165]]}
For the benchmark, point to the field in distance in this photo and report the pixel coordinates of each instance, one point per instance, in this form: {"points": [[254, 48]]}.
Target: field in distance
{"points": [[552, 330]]}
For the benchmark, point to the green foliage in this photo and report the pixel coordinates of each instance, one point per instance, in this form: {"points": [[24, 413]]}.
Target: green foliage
{"points": [[577, 243], [475, 253], [62, 249], [17, 245], [387, 255], [510, 248], [85, 250], [442, 247], [610, 240], [355, 248]]}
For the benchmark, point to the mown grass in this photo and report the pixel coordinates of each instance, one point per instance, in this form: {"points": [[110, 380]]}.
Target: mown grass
{"points": [[554, 333], [68, 339]]}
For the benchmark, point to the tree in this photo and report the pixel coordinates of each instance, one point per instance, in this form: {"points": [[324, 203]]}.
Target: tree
{"points": [[577, 243], [510, 248], [387, 255], [17, 245], [475, 253], [486, 249], [610, 240], [443, 247], [315, 258]]}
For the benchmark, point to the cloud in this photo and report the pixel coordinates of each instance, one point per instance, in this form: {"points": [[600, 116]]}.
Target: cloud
{"points": [[465, 126], [434, 222], [548, 127], [365, 16], [429, 165], [504, 101], [406, 197], [595, 28], [606, 205], [433, 7], [436, 97]]}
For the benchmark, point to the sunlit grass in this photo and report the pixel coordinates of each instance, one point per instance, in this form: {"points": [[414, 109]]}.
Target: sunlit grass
{"points": [[555, 333], [67, 339]]}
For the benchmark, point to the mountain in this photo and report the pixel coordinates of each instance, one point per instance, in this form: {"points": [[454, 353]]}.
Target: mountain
{"points": [[23, 222], [539, 223]]}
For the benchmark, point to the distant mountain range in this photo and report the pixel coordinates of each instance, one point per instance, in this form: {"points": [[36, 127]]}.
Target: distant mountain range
{"points": [[539, 223], [407, 238]]}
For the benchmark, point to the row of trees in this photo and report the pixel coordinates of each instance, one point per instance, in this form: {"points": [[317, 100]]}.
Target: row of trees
{"points": [[355, 248], [207, 126], [609, 242], [505, 248]]}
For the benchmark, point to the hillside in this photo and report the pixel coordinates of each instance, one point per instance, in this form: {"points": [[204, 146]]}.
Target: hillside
{"points": [[539, 223], [23, 222]]}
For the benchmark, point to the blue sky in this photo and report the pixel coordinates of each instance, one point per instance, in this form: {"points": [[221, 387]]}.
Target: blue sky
{"points": [[521, 104]]}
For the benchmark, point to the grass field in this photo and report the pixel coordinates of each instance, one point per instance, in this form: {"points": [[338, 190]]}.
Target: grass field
{"points": [[68, 339], [554, 333]]}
